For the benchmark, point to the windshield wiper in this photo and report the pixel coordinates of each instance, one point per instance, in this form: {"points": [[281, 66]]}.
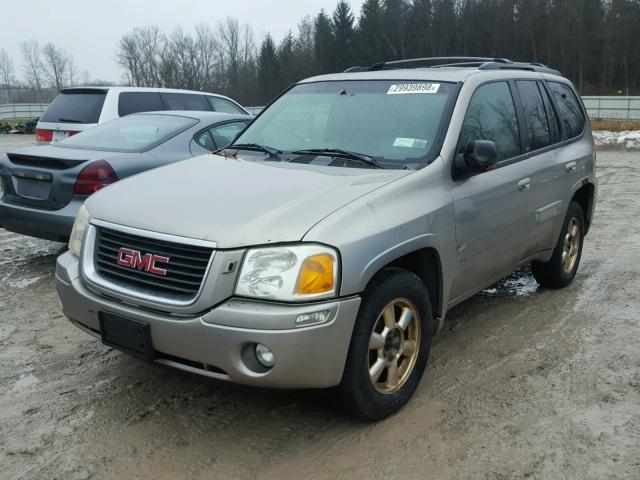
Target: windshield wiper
{"points": [[69, 120], [338, 152], [272, 152]]}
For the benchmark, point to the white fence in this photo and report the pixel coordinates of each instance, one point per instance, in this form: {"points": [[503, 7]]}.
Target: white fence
{"points": [[615, 108], [22, 110]]}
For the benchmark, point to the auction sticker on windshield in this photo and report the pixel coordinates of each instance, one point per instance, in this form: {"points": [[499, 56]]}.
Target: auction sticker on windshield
{"points": [[404, 88]]}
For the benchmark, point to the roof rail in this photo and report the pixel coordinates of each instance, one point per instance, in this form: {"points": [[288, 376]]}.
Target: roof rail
{"points": [[481, 63]]}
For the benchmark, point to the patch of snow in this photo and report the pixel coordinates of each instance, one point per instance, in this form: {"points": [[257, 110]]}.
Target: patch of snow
{"points": [[25, 381], [522, 286], [629, 140], [25, 282]]}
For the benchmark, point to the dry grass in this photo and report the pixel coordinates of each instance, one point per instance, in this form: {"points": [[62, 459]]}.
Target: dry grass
{"points": [[615, 125]]}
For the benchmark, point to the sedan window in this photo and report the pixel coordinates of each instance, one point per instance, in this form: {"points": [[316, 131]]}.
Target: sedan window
{"points": [[219, 136], [133, 133]]}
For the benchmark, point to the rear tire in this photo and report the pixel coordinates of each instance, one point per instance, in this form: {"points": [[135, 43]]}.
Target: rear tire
{"points": [[561, 269], [389, 347]]}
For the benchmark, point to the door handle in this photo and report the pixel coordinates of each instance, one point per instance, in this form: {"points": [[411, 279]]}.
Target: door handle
{"points": [[524, 184], [570, 167]]}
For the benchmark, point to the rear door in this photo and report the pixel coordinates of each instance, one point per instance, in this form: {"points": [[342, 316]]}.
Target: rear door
{"points": [[492, 209], [542, 133], [72, 111]]}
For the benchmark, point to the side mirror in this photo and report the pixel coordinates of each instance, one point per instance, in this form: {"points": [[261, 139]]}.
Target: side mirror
{"points": [[478, 156]]}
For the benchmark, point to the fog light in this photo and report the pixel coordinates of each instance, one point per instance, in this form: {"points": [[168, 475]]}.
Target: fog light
{"points": [[311, 318], [265, 356]]}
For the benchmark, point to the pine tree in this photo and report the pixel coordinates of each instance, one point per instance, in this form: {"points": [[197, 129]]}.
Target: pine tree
{"points": [[369, 41], [290, 71], [344, 33], [324, 43], [395, 28], [268, 71]]}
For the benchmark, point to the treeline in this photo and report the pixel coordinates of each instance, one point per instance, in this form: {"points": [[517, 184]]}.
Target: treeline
{"points": [[46, 69], [596, 43]]}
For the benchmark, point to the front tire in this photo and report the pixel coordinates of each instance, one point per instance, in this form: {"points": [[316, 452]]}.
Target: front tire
{"points": [[561, 269], [389, 347]]}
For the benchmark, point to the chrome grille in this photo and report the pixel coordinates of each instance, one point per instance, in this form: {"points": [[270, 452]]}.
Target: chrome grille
{"points": [[185, 269]]}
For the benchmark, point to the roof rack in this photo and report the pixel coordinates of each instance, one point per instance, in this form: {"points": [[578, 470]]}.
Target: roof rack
{"points": [[481, 63]]}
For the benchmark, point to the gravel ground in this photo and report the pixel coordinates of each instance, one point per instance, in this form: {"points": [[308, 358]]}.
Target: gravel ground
{"points": [[522, 383]]}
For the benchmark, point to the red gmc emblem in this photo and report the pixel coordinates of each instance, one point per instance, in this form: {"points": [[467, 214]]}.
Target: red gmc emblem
{"points": [[147, 262]]}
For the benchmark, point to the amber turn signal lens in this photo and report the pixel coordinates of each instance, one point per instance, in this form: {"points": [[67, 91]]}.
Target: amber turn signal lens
{"points": [[316, 275]]}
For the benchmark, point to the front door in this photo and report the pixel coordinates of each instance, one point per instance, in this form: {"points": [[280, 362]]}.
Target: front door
{"points": [[493, 212]]}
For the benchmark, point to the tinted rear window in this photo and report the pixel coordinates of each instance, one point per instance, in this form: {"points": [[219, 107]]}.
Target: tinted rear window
{"points": [[133, 133], [135, 102], [81, 107], [185, 101], [571, 115]]}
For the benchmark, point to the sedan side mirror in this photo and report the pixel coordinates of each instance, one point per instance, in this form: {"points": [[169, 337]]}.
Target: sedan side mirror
{"points": [[478, 156]]}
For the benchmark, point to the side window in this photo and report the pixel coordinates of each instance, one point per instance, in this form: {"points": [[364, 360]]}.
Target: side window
{"points": [[185, 101], [204, 140], [554, 126], [571, 115], [226, 133], [538, 132], [223, 105], [134, 102], [491, 115]]}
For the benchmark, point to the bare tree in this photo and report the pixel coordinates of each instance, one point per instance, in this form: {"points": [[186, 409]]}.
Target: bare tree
{"points": [[210, 48], [32, 64], [139, 54], [6, 72], [58, 66]]}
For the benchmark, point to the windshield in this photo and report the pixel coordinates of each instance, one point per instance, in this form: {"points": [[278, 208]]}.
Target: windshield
{"points": [[133, 133], [392, 121]]}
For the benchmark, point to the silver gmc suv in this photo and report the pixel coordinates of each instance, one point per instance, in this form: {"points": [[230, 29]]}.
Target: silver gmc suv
{"points": [[325, 246]]}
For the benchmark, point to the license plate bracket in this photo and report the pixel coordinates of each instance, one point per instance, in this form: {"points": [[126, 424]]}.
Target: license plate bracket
{"points": [[59, 135], [130, 336]]}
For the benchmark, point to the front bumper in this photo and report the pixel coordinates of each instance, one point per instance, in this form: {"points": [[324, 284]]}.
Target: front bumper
{"points": [[207, 344], [53, 225]]}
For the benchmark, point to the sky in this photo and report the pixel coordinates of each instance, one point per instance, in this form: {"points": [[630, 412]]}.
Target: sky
{"points": [[90, 29]]}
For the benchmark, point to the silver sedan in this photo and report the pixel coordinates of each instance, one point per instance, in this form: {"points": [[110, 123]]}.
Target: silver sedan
{"points": [[43, 187]]}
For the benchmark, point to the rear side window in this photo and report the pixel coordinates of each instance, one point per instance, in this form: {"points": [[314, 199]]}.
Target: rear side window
{"points": [[535, 115], [135, 102], [220, 136], [569, 110], [82, 106], [554, 127], [185, 101], [491, 115], [223, 105]]}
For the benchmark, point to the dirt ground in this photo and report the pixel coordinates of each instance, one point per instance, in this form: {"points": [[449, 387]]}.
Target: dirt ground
{"points": [[522, 383]]}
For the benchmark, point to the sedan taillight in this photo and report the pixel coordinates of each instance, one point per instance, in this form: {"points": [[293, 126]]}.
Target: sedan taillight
{"points": [[93, 177]]}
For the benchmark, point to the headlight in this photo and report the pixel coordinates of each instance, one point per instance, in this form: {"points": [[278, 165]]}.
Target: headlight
{"points": [[79, 227], [289, 273]]}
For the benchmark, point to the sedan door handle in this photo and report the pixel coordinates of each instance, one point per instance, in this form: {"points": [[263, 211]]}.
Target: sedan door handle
{"points": [[524, 184], [570, 167]]}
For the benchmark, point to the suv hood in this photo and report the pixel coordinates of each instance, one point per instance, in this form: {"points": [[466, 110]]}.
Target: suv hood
{"points": [[234, 202]]}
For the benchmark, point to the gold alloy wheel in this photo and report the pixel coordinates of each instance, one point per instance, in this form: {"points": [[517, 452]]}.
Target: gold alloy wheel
{"points": [[394, 345], [571, 245]]}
